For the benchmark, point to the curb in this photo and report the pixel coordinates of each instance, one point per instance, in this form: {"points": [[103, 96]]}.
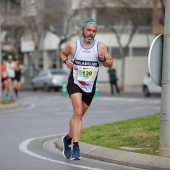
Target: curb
{"points": [[119, 157], [9, 106]]}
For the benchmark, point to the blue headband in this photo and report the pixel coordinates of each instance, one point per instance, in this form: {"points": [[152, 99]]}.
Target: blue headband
{"points": [[88, 21]]}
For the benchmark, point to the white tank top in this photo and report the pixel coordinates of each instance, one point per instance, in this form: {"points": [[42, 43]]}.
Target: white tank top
{"points": [[86, 66], [10, 69]]}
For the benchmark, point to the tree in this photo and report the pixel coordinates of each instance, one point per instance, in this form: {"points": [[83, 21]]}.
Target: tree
{"points": [[136, 17], [13, 24], [58, 20], [162, 2]]}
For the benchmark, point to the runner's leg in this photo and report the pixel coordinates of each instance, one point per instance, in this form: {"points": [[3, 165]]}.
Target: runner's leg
{"points": [[79, 108], [10, 91], [85, 107]]}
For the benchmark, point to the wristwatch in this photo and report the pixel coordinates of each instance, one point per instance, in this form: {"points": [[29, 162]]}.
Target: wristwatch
{"points": [[104, 59], [65, 61]]}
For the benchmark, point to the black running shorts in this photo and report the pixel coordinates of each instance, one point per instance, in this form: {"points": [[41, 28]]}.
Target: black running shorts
{"points": [[74, 88]]}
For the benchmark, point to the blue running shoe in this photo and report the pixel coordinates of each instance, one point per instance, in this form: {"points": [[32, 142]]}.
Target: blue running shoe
{"points": [[75, 153], [67, 148], [6, 97]]}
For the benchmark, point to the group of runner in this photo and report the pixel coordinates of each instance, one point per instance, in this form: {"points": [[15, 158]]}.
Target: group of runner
{"points": [[11, 77]]}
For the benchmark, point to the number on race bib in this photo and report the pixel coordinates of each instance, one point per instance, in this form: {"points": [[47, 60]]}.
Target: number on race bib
{"points": [[86, 73]]}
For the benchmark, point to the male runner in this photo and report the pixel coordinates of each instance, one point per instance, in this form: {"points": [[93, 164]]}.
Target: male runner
{"points": [[86, 54]]}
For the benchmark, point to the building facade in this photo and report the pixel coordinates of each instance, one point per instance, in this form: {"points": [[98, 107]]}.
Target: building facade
{"points": [[127, 29], [116, 22], [12, 26]]}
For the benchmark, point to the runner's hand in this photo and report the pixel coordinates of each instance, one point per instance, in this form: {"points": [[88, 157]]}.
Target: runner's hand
{"points": [[101, 55], [69, 63]]}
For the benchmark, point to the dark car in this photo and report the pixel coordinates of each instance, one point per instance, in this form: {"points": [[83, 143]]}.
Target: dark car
{"points": [[49, 79]]}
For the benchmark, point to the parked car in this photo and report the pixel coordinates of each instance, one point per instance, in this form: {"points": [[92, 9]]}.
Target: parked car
{"points": [[149, 87], [48, 79]]}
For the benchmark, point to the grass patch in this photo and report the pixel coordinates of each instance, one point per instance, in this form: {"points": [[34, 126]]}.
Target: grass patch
{"points": [[134, 133], [7, 101]]}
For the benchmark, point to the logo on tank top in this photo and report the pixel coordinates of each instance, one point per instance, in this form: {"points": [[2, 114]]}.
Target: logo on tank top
{"points": [[87, 51], [86, 63]]}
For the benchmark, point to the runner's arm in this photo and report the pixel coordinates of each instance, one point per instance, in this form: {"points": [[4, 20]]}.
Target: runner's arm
{"points": [[104, 56], [64, 54]]}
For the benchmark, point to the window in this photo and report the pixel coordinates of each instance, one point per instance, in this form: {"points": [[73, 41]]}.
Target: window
{"points": [[116, 53], [140, 52]]}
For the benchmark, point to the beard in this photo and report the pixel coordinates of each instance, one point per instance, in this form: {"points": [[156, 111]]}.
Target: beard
{"points": [[85, 38]]}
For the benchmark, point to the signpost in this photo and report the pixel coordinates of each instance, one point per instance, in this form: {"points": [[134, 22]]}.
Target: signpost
{"points": [[164, 146], [155, 59], [159, 68]]}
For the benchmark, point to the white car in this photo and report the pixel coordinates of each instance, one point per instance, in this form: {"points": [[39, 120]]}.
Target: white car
{"points": [[149, 87], [47, 79]]}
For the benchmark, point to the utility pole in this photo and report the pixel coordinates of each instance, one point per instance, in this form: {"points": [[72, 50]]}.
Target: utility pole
{"points": [[164, 147]]}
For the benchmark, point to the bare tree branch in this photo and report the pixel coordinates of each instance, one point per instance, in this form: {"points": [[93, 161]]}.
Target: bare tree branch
{"points": [[162, 2]]}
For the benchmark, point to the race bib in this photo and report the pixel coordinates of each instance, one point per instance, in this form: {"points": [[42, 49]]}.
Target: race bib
{"points": [[85, 73], [11, 73]]}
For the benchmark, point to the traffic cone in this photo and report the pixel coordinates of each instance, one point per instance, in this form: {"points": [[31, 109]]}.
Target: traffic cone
{"points": [[64, 88], [97, 91]]}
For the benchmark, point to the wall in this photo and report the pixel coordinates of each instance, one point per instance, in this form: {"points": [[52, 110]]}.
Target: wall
{"points": [[135, 66], [135, 69]]}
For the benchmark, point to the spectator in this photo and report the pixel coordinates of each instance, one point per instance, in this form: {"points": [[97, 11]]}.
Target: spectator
{"points": [[113, 80]]}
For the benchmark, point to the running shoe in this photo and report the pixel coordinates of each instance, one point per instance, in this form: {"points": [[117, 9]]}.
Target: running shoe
{"points": [[67, 148], [6, 97], [75, 153]]}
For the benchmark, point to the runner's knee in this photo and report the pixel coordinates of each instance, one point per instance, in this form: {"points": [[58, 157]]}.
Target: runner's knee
{"points": [[78, 112]]}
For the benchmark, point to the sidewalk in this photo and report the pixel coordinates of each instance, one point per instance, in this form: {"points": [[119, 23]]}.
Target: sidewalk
{"points": [[9, 106], [115, 156], [105, 87]]}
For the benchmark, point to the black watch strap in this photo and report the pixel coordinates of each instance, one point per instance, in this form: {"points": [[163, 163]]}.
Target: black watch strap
{"points": [[104, 59], [65, 61]]}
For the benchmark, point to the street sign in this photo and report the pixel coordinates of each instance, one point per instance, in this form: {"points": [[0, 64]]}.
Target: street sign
{"points": [[155, 59]]}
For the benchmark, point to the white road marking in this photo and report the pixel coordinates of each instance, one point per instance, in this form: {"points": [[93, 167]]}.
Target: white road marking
{"points": [[120, 99], [23, 147], [31, 106], [133, 100]]}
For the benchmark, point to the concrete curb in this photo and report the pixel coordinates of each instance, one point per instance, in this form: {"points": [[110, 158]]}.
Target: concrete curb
{"points": [[115, 156], [9, 106]]}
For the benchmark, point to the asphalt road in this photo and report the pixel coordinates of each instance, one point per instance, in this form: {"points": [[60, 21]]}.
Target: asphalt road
{"points": [[45, 115]]}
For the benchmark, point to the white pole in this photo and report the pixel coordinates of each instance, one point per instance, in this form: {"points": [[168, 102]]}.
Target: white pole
{"points": [[164, 147], [0, 61]]}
